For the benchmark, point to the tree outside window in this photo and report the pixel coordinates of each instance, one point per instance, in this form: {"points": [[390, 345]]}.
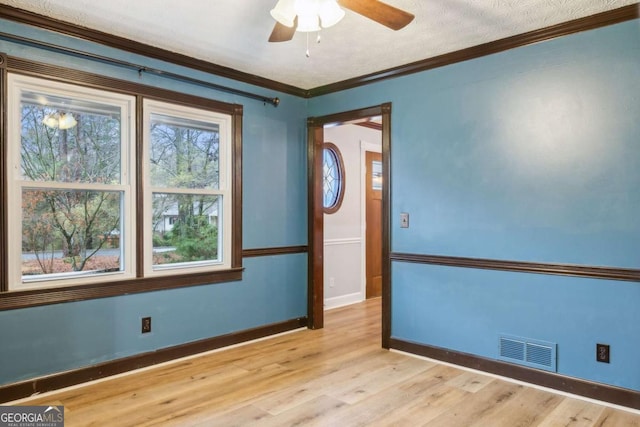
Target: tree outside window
{"points": [[69, 186], [188, 180]]}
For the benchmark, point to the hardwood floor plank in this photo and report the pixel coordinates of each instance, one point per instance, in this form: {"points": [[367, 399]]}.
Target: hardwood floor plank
{"points": [[372, 382], [574, 413], [308, 413], [528, 408], [336, 376], [162, 403], [481, 409], [471, 382], [393, 406], [109, 393], [614, 418], [240, 417], [437, 398], [322, 379], [229, 396]]}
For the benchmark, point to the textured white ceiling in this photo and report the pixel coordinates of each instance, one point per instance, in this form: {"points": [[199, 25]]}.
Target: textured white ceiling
{"points": [[234, 33]]}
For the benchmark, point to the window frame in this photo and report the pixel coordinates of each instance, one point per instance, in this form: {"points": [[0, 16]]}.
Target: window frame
{"points": [[329, 146], [149, 108], [14, 299], [16, 85]]}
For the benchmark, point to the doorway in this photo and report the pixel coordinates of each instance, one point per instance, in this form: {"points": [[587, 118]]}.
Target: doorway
{"points": [[315, 140], [346, 230]]}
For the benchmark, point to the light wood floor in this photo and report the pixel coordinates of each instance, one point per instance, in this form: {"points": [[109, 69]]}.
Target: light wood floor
{"points": [[337, 376]]}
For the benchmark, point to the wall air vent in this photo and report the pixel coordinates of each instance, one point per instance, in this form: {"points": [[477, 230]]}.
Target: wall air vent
{"points": [[528, 352]]}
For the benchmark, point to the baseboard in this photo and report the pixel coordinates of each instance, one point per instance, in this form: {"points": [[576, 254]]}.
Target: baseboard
{"points": [[603, 392], [343, 300], [52, 382]]}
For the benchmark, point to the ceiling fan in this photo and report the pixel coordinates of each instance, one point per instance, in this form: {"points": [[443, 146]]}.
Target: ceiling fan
{"points": [[311, 15]]}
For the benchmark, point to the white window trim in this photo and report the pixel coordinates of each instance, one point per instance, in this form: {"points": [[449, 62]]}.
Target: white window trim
{"points": [[17, 83], [224, 122]]}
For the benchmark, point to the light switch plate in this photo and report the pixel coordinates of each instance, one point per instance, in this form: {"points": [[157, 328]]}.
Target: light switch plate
{"points": [[404, 220]]}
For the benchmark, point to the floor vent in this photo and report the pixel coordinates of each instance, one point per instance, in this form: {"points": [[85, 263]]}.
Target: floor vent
{"points": [[528, 352]]}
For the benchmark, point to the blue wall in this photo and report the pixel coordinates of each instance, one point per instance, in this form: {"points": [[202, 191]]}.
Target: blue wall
{"points": [[43, 340], [530, 155]]}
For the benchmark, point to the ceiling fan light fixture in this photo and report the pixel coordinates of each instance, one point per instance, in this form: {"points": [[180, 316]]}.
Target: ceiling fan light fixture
{"points": [[51, 121], [308, 22], [67, 121], [308, 18], [59, 121], [284, 12], [311, 15], [330, 13]]}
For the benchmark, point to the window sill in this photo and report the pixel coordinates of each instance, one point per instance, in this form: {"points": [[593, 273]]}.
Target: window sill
{"points": [[36, 297]]}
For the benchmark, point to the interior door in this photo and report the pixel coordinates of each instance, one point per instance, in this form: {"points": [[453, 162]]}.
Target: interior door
{"points": [[373, 206]]}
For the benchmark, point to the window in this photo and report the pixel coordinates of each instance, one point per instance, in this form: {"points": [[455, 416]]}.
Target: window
{"points": [[70, 197], [188, 174], [333, 180], [376, 175], [84, 209]]}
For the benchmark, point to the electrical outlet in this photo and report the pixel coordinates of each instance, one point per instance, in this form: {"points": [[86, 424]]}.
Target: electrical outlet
{"points": [[146, 325], [332, 282], [602, 353]]}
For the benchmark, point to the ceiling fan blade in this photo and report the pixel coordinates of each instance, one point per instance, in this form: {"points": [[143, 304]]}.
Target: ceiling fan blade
{"points": [[282, 33], [380, 12]]}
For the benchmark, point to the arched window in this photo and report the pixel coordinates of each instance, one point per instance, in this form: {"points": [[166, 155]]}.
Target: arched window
{"points": [[333, 179]]}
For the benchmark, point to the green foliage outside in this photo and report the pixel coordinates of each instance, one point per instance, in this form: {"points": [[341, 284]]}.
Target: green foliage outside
{"points": [[195, 239], [185, 155]]}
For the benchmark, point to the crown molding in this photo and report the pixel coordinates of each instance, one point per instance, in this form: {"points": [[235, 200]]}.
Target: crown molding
{"points": [[603, 19], [69, 29]]}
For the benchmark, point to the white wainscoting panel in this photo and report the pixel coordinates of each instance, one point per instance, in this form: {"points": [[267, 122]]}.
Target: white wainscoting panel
{"points": [[342, 272]]}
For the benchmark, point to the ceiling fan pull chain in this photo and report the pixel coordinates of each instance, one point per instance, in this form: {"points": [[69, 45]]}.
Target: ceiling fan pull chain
{"points": [[317, 41]]}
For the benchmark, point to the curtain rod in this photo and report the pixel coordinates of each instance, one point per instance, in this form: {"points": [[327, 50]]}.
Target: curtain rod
{"points": [[139, 68]]}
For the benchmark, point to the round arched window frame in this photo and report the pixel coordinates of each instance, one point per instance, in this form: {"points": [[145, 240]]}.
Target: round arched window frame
{"points": [[333, 178]]}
